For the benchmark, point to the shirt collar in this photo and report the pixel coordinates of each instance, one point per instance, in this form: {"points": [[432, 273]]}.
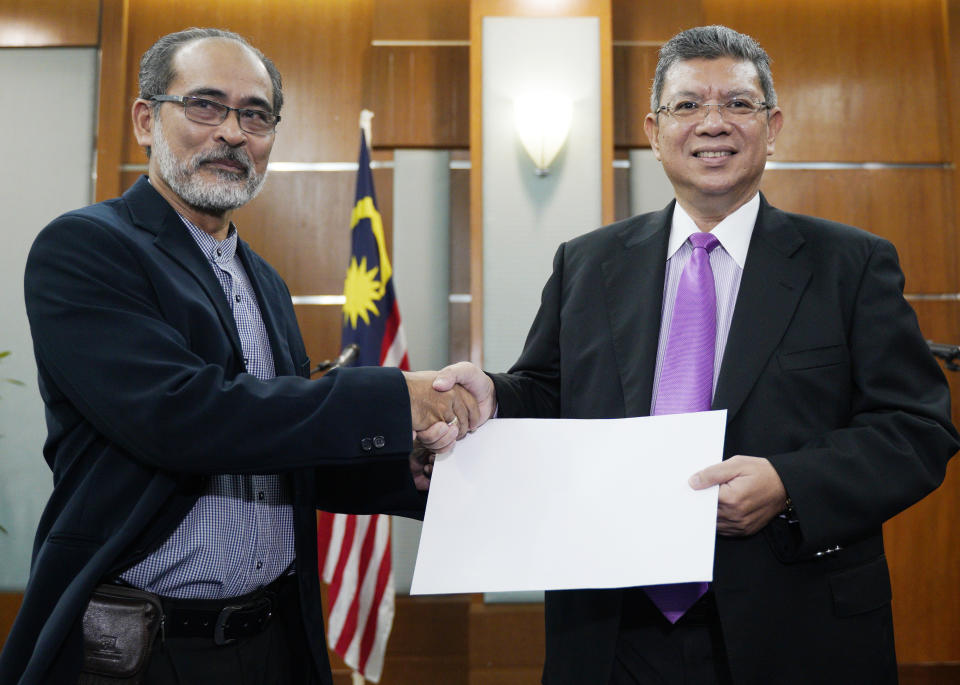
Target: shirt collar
{"points": [[217, 251], [733, 232]]}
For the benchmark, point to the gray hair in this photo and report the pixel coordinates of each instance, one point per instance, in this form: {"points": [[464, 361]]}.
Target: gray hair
{"points": [[712, 42], [156, 65]]}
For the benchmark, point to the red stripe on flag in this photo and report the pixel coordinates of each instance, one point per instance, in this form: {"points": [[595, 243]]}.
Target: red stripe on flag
{"points": [[345, 548], [370, 632], [324, 533], [366, 552], [390, 331]]}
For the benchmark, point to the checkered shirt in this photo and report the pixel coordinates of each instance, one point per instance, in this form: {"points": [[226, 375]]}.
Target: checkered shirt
{"points": [[239, 535]]}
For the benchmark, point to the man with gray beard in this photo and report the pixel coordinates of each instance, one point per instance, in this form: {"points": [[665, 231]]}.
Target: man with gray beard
{"points": [[210, 197], [189, 448]]}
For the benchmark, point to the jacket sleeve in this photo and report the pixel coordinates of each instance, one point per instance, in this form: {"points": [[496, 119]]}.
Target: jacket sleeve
{"points": [[899, 439], [109, 354]]}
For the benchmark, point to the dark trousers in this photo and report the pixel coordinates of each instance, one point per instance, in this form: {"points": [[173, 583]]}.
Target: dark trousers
{"points": [[652, 651], [278, 655]]}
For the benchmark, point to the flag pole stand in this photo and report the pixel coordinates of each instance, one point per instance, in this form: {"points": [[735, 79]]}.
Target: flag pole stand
{"points": [[356, 678]]}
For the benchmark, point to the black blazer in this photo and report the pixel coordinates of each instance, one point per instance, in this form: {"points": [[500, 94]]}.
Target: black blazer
{"points": [[142, 374], [825, 373]]}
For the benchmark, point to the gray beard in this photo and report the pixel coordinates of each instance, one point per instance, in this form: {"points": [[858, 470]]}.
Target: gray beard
{"points": [[229, 191]]}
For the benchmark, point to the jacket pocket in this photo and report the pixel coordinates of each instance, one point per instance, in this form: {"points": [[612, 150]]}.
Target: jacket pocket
{"points": [[812, 358], [861, 588], [74, 540]]}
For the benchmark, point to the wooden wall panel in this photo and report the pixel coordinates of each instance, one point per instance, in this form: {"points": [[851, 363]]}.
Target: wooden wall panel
{"points": [[640, 27], [421, 20], [420, 95], [911, 207], [113, 111], [923, 543], [459, 331], [923, 551], [930, 674], [49, 23], [621, 194], [846, 73], [128, 178], [300, 224], [633, 67], [9, 606], [858, 81], [507, 643], [321, 48], [429, 641], [650, 21], [320, 326]]}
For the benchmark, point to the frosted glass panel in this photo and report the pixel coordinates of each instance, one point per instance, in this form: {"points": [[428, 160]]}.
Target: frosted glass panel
{"points": [[48, 162]]}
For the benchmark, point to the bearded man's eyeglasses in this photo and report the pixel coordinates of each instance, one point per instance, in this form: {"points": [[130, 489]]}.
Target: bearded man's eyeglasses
{"points": [[732, 110], [256, 121]]}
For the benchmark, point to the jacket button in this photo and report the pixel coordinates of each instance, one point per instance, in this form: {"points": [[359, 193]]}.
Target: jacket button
{"points": [[366, 444], [379, 442]]}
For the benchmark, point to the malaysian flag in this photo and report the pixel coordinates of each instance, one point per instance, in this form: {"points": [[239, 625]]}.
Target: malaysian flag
{"points": [[354, 551]]}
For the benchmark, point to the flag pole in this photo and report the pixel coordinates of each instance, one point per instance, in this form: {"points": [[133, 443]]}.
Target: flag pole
{"points": [[362, 643], [366, 117]]}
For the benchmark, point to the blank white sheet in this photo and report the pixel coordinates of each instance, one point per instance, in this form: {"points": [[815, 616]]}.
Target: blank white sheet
{"points": [[550, 504]]}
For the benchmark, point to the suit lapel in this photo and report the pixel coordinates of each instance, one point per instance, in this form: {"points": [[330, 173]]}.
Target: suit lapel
{"points": [[151, 212], [773, 282], [633, 288]]}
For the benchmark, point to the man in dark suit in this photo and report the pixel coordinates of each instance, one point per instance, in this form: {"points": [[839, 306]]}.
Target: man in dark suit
{"points": [[189, 448], [837, 415]]}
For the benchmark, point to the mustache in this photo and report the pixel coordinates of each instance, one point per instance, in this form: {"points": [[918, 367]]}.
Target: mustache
{"points": [[224, 153]]}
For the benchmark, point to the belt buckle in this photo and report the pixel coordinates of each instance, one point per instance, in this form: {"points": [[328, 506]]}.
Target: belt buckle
{"points": [[218, 629]]}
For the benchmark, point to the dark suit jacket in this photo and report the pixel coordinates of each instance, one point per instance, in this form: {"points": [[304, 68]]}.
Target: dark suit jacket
{"points": [[142, 374], [825, 373]]}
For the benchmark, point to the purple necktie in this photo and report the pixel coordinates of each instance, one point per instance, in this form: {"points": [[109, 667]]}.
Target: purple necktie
{"points": [[686, 379]]}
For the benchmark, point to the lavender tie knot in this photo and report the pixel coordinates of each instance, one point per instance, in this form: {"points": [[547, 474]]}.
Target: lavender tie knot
{"points": [[707, 241]]}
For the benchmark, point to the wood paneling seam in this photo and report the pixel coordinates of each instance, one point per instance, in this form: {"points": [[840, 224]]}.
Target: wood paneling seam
{"points": [[419, 43], [326, 300]]}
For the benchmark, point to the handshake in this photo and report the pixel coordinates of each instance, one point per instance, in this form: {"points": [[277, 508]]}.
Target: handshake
{"points": [[445, 405]]}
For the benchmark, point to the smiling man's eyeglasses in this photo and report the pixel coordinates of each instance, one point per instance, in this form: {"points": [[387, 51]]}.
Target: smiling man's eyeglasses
{"points": [[256, 121], [732, 110]]}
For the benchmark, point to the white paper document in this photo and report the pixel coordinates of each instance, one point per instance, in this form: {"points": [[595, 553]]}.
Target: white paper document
{"points": [[551, 504]]}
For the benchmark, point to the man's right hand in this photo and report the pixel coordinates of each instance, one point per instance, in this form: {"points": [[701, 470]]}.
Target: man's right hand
{"points": [[439, 418], [473, 380]]}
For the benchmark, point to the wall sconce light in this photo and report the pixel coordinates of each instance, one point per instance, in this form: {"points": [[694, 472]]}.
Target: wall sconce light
{"points": [[543, 123]]}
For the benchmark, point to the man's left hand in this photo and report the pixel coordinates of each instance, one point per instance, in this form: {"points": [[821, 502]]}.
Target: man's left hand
{"points": [[751, 493], [421, 467]]}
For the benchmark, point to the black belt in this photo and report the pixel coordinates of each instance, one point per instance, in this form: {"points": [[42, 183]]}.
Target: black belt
{"points": [[224, 621]]}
